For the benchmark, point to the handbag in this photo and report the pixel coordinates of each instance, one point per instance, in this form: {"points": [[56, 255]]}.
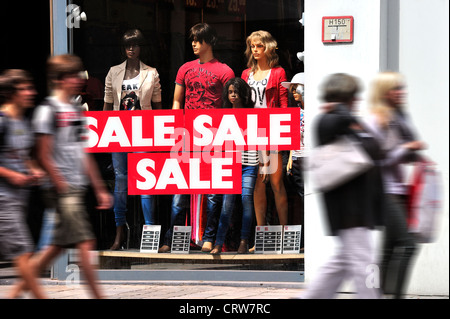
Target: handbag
{"points": [[425, 201], [334, 164]]}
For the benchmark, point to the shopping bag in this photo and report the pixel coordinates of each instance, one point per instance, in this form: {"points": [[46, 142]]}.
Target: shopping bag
{"points": [[425, 201], [334, 164]]}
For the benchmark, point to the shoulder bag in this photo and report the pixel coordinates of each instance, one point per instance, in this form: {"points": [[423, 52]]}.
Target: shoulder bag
{"points": [[334, 164]]}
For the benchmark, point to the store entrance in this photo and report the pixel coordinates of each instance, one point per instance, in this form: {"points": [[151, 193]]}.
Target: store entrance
{"points": [[165, 24]]}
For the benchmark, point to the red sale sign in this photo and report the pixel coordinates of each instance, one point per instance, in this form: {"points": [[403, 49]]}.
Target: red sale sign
{"points": [[136, 131], [243, 129], [196, 130], [198, 173], [202, 148]]}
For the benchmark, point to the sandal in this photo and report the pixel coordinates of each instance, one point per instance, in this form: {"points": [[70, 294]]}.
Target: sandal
{"points": [[217, 250], [207, 247]]}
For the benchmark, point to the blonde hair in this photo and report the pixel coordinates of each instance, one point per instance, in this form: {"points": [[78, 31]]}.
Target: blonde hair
{"points": [[270, 45], [381, 85]]}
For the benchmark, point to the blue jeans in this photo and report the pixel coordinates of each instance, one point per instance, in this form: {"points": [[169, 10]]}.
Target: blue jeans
{"points": [[180, 205], [249, 174], [120, 163]]}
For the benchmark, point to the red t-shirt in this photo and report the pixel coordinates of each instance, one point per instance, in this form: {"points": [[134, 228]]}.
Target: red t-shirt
{"points": [[203, 83]]}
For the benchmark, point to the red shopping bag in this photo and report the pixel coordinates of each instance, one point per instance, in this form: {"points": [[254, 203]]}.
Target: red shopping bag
{"points": [[425, 201]]}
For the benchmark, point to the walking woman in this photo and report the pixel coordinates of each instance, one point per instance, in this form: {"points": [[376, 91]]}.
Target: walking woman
{"points": [[130, 86], [392, 127], [264, 75], [354, 208]]}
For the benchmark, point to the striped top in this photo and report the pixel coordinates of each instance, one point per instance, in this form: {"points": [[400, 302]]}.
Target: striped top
{"points": [[250, 158]]}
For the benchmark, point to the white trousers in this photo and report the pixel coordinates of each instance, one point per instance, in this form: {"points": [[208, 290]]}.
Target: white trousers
{"points": [[353, 260]]}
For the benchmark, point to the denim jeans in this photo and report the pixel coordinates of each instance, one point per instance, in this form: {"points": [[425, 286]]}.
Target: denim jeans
{"points": [[120, 163], [148, 209], [213, 208], [180, 205], [249, 174]]}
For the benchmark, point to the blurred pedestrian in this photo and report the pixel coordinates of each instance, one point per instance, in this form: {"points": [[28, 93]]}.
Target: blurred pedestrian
{"points": [[131, 85], [60, 140], [17, 173], [352, 208], [393, 129]]}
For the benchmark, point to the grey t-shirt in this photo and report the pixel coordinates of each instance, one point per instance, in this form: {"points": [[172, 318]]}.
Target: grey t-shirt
{"points": [[67, 124], [16, 142]]}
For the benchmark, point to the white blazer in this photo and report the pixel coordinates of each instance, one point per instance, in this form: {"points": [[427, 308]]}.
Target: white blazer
{"points": [[150, 87]]}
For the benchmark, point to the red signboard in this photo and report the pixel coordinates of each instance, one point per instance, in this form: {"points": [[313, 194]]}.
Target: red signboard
{"points": [[188, 173], [196, 130], [135, 131], [243, 129], [191, 151]]}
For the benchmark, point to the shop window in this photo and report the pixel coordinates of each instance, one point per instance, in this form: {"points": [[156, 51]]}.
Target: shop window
{"points": [[165, 24]]}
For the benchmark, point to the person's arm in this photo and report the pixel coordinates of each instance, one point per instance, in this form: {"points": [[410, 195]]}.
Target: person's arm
{"points": [[44, 145], [35, 171], [283, 92], [107, 106], [13, 177], [289, 164], [178, 97], [156, 96], [109, 99], [264, 165]]}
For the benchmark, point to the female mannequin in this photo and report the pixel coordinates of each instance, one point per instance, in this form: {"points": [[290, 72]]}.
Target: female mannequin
{"points": [[265, 76], [129, 86]]}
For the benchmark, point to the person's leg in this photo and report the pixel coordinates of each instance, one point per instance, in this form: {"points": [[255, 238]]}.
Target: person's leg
{"points": [[406, 246], [329, 277], [361, 257], [279, 191], [48, 221], [260, 201], [37, 264], [16, 243], [213, 209], [398, 250], [180, 203], [88, 268], [29, 276], [119, 161], [148, 209], [224, 222], [297, 176], [249, 175]]}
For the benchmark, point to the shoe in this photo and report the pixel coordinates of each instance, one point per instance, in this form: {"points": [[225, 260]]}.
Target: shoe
{"points": [[120, 238], [217, 250], [243, 247], [164, 249], [207, 247]]}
